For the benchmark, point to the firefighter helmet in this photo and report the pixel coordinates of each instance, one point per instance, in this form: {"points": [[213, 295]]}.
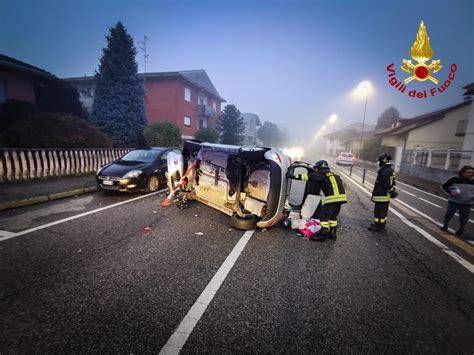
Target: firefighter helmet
{"points": [[384, 159], [321, 164]]}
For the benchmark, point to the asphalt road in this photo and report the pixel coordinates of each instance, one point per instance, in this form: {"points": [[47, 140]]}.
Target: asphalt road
{"points": [[100, 283], [431, 205]]}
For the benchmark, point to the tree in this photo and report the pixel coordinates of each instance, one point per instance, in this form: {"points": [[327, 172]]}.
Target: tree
{"points": [[118, 107], [270, 134], [387, 117], [207, 135], [371, 149], [162, 134], [54, 130], [58, 96], [232, 126]]}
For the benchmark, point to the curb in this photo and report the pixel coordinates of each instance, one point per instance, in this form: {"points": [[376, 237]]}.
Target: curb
{"points": [[46, 198]]}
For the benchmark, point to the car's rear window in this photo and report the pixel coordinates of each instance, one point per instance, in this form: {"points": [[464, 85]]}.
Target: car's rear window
{"points": [[347, 155], [143, 155]]}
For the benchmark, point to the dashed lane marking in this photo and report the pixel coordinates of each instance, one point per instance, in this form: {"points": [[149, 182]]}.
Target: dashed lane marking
{"points": [[177, 340], [429, 202], [10, 235], [406, 192], [455, 256]]}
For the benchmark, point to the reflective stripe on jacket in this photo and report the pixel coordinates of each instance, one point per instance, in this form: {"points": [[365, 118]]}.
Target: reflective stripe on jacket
{"points": [[331, 184], [384, 185]]}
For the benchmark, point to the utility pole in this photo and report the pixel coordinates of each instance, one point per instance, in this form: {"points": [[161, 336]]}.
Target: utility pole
{"points": [[145, 59]]}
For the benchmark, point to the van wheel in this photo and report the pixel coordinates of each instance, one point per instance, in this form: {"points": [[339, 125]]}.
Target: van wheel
{"points": [[246, 223]]}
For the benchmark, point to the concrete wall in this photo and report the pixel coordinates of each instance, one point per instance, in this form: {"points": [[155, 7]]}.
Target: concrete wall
{"points": [[431, 174], [439, 134], [393, 141]]}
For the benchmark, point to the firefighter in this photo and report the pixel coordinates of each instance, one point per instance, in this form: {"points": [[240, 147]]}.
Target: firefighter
{"points": [[334, 196], [384, 190]]}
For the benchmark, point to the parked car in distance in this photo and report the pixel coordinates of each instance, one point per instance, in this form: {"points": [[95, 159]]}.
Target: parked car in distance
{"points": [[345, 158], [139, 170], [247, 183]]}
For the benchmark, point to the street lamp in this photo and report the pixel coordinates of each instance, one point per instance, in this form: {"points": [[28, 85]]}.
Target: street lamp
{"points": [[333, 118], [363, 90]]}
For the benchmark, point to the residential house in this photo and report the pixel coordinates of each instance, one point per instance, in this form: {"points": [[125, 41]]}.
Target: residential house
{"points": [[252, 122], [187, 99], [18, 80], [348, 139], [427, 141]]}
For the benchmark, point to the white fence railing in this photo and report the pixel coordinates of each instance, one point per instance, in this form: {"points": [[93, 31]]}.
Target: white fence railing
{"points": [[446, 159], [26, 164]]}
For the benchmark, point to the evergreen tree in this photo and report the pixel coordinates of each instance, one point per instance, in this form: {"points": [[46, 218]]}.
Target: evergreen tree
{"points": [[387, 117], [119, 108], [232, 126]]}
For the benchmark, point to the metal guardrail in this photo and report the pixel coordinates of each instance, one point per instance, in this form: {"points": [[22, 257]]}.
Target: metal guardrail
{"points": [[27, 164]]}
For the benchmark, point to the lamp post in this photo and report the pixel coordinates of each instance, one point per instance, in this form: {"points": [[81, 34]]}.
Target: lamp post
{"points": [[363, 90], [332, 123]]}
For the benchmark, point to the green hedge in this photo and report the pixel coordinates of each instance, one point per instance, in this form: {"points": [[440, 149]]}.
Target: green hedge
{"points": [[53, 130]]}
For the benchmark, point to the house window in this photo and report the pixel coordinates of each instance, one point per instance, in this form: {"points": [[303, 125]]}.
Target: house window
{"points": [[202, 123], [187, 121], [214, 106], [461, 128], [187, 94], [202, 100], [3, 92]]}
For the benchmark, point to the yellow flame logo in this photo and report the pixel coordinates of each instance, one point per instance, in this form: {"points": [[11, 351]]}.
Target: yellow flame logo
{"points": [[421, 52]]}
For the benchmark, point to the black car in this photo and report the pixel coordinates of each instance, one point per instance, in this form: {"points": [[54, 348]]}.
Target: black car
{"points": [[139, 170]]}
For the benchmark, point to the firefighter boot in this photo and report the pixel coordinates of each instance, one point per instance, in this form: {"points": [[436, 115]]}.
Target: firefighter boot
{"points": [[377, 227], [332, 232], [323, 234]]}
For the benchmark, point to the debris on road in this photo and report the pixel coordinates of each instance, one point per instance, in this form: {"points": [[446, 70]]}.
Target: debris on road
{"points": [[146, 229], [199, 233]]}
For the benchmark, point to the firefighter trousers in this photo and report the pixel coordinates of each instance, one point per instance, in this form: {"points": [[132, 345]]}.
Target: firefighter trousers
{"points": [[328, 215], [380, 213]]}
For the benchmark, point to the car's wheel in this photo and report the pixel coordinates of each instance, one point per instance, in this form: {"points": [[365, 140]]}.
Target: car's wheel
{"points": [[246, 223], [152, 184]]}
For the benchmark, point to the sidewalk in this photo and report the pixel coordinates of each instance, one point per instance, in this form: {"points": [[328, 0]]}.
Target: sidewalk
{"points": [[16, 194]]}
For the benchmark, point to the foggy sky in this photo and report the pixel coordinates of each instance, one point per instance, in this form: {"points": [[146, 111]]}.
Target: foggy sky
{"points": [[291, 62]]}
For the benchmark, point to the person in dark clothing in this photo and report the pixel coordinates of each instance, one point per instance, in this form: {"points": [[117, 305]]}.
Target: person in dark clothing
{"points": [[461, 196], [384, 190], [334, 196]]}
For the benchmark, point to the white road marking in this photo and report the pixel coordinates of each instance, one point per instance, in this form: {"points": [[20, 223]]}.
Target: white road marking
{"points": [[14, 235], [177, 340], [406, 192], [431, 203], [6, 234], [469, 220], [455, 256], [438, 197]]}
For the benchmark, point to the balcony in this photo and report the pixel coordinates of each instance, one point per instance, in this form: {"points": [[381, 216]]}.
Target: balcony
{"points": [[206, 111]]}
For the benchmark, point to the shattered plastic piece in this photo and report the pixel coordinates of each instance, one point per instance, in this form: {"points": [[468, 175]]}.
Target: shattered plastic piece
{"points": [[79, 250], [146, 229], [154, 212], [230, 229], [195, 215], [199, 233]]}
